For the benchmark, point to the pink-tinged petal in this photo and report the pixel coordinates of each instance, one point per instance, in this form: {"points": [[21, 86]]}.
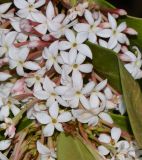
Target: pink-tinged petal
{"points": [[101, 85], [86, 68], [70, 35], [50, 13], [42, 95], [72, 55], [54, 110], [43, 117], [103, 150], [4, 7], [88, 88], [38, 17], [64, 45], [48, 130], [42, 149], [112, 21], [94, 101], [15, 110], [20, 70], [105, 33], [4, 144], [31, 65], [106, 117], [85, 50], [112, 42], [23, 53], [108, 93], [4, 76], [64, 117], [81, 37], [81, 27], [41, 28], [104, 138], [61, 101], [84, 101], [122, 26], [21, 4], [89, 17], [77, 80], [115, 133], [92, 37], [39, 3]]}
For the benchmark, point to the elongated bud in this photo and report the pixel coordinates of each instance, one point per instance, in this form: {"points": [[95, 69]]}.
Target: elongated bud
{"points": [[131, 31]]}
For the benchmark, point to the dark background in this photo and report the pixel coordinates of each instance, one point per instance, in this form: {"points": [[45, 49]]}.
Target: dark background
{"points": [[133, 7]]}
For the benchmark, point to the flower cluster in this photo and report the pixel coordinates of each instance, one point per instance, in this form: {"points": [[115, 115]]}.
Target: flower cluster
{"points": [[46, 71]]}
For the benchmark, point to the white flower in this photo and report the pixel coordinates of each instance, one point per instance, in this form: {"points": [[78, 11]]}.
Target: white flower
{"points": [[77, 93], [74, 63], [89, 29], [53, 120], [36, 79], [134, 62], [6, 41], [4, 76], [9, 104], [17, 59], [45, 152], [120, 146], [3, 8], [4, 144], [115, 33], [51, 54], [49, 93], [27, 7], [74, 43], [49, 22]]}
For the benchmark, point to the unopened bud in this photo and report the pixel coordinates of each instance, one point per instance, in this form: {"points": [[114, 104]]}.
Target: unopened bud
{"points": [[131, 31]]}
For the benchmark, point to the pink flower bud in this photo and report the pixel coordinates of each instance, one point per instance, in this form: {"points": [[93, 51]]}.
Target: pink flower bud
{"points": [[19, 87], [25, 25], [10, 131], [131, 31]]}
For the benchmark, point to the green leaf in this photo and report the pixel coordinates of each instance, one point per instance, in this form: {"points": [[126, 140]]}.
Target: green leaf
{"points": [[108, 64], [71, 148], [121, 121], [5, 1], [25, 122]]}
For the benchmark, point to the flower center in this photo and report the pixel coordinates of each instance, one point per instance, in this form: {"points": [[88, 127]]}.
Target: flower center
{"points": [[37, 78], [112, 142], [54, 120], [74, 44], [75, 66], [53, 94], [78, 93]]}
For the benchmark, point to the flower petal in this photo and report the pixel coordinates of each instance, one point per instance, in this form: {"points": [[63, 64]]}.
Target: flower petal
{"points": [[86, 68], [54, 110], [4, 144], [103, 150], [85, 50], [64, 117], [64, 45], [4, 7], [89, 17], [21, 4], [42, 149], [31, 65], [4, 76], [112, 21], [81, 27], [50, 13], [70, 35], [115, 133], [43, 117], [42, 95], [77, 80], [48, 130], [104, 138], [106, 117]]}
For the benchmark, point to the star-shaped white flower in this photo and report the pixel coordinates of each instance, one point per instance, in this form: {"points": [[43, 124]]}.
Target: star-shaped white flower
{"points": [[133, 62], [54, 120], [36, 79], [90, 29], [28, 7], [74, 63], [49, 93], [75, 43], [6, 41], [45, 152], [115, 34], [17, 59], [51, 55], [77, 93], [50, 22]]}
